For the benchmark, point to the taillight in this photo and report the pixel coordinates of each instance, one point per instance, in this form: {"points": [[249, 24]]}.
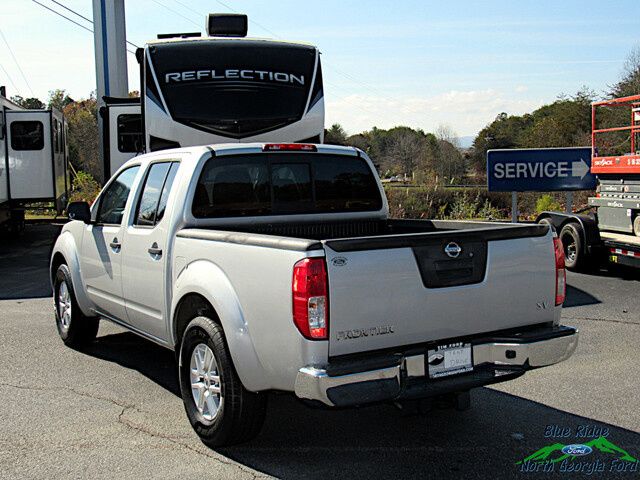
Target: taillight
{"points": [[310, 301], [561, 273], [283, 147]]}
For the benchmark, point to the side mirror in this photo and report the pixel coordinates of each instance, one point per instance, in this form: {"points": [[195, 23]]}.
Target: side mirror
{"points": [[79, 211]]}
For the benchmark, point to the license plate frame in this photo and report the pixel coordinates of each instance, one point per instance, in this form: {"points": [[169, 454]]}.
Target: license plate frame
{"points": [[449, 359]]}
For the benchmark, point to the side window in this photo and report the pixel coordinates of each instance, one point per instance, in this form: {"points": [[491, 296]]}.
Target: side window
{"points": [[27, 135], [114, 199], [129, 133], [155, 192], [162, 206], [55, 136]]}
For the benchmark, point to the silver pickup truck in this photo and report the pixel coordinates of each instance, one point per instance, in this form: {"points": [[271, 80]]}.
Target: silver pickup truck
{"points": [[275, 267]]}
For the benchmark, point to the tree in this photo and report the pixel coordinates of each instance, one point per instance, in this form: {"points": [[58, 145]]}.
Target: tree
{"points": [[336, 135], [59, 99], [629, 84], [28, 103], [82, 117]]}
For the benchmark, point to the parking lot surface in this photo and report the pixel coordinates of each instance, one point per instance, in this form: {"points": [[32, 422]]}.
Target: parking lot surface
{"points": [[114, 410]]}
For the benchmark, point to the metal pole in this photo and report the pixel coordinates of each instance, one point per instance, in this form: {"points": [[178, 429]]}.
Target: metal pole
{"points": [[514, 207], [569, 202], [109, 37]]}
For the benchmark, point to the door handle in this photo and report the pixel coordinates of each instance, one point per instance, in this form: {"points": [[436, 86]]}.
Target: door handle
{"points": [[115, 244], [154, 250]]}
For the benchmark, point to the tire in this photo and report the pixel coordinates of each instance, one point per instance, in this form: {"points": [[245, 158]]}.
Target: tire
{"points": [[636, 225], [572, 244], [76, 329], [228, 413]]}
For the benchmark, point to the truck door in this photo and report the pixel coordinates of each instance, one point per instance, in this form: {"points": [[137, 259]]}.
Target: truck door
{"points": [[123, 135], [30, 155], [101, 257], [146, 252]]}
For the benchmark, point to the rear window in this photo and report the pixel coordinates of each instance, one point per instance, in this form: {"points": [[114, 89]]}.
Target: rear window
{"points": [[285, 183]]}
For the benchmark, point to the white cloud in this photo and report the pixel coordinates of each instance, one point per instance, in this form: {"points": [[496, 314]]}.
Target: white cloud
{"points": [[466, 112]]}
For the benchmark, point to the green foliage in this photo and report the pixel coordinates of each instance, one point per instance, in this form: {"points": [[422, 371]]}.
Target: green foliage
{"points": [[336, 135], [85, 188], [58, 99], [564, 123], [29, 103], [447, 203], [428, 158], [547, 203], [82, 117]]}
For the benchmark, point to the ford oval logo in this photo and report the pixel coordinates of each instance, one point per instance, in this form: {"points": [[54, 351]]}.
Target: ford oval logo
{"points": [[577, 450], [453, 249], [338, 261]]}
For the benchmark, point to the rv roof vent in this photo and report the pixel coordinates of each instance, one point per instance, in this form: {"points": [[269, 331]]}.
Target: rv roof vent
{"points": [[227, 25]]}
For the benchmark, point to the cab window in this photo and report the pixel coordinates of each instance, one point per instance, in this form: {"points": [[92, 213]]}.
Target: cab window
{"points": [[153, 201], [114, 199]]}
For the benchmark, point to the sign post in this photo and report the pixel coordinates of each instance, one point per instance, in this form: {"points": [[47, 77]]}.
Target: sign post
{"points": [[539, 170]]}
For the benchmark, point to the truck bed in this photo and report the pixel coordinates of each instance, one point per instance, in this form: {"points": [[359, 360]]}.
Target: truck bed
{"points": [[365, 231], [396, 277]]}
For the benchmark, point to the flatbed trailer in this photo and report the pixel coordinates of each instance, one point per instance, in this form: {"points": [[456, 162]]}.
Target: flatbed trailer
{"points": [[611, 233]]}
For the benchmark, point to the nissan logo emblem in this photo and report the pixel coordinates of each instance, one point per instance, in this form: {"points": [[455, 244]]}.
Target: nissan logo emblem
{"points": [[453, 250]]}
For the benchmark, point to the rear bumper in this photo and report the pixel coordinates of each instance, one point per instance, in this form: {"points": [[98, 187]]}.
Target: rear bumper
{"points": [[397, 376]]}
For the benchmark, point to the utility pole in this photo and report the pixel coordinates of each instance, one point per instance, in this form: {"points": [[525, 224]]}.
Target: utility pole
{"points": [[109, 37]]}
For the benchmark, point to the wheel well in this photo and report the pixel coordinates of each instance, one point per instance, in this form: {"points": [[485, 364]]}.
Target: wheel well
{"points": [[58, 259], [190, 306]]}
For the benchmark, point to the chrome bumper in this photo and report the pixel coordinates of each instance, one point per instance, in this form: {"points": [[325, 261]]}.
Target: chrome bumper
{"points": [[499, 359]]}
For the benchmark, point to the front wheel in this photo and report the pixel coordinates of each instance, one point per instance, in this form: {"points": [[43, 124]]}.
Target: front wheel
{"points": [[76, 329], [221, 411]]}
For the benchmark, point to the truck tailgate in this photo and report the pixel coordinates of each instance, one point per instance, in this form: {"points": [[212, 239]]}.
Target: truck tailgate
{"points": [[401, 290]]}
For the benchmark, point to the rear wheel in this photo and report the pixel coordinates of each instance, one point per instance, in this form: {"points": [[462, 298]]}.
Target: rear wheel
{"points": [[221, 411], [75, 328], [636, 225], [572, 244]]}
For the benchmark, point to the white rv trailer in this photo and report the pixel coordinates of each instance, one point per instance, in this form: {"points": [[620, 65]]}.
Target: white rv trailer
{"points": [[222, 88], [33, 160]]}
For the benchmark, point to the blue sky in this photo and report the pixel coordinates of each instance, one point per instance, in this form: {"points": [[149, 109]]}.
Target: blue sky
{"points": [[416, 63]]}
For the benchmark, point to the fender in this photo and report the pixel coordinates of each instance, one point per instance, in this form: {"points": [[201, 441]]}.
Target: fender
{"points": [[589, 231], [207, 279], [66, 245]]}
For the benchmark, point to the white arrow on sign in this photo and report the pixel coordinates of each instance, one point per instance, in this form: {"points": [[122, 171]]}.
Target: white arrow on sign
{"points": [[579, 169]]}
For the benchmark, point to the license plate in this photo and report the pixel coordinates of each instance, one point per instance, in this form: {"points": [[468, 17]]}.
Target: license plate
{"points": [[452, 359]]}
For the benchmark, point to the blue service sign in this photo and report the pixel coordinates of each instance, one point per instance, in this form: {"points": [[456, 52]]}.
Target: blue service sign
{"points": [[540, 170]]}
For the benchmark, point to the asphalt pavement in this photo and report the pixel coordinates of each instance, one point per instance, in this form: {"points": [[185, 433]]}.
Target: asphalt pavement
{"points": [[114, 410]]}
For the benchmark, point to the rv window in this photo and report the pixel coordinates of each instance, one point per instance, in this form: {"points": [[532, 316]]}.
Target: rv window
{"points": [[1, 125], [27, 135], [56, 147], [129, 133]]}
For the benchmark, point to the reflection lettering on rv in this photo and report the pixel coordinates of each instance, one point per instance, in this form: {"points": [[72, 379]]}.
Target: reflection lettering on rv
{"points": [[233, 73]]}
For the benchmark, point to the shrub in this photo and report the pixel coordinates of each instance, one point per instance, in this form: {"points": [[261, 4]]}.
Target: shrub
{"points": [[547, 202], [85, 188]]}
